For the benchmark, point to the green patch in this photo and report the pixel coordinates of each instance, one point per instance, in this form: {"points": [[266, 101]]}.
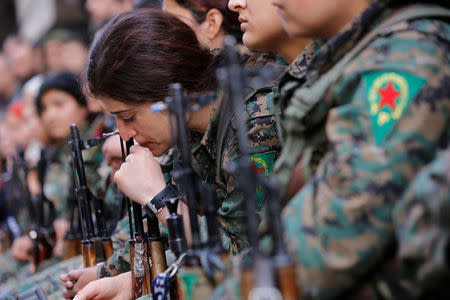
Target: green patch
{"points": [[262, 163], [388, 96], [187, 283]]}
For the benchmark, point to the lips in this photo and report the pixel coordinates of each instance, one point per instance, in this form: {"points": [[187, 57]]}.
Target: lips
{"points": [[242, 20], [243, 23]]}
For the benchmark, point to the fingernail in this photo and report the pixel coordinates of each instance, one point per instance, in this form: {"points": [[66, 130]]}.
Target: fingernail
{"points": [[76, 298]]}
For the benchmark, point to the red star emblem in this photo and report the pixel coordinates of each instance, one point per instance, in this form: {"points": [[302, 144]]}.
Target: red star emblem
{"points": [[388, 96], [258, 170]]}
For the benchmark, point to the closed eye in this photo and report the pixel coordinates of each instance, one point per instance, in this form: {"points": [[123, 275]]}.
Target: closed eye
{"points": [[128, 120]]}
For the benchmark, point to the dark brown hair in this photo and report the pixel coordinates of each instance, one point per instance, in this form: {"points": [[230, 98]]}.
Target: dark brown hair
{"points": [[140, 52], [200, 8]]}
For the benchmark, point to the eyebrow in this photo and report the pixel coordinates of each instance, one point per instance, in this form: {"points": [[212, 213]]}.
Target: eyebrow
{"points": [[120, 111]]}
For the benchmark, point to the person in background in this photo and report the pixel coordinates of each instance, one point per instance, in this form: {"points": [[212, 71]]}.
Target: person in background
{"points": [[59, 103], [147, 4], [8, 84], [101, 10], [74, 53], [20, 56]]}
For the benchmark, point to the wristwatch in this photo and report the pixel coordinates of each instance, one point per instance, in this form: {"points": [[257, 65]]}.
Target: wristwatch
{"points": [[157, 203]]}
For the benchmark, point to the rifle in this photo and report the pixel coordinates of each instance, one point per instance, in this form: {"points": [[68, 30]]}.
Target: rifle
{"points": [[140, 269], [84, 209], [72, 239], [284, 267], [258, 280], [44, 236], [96, 246], [178, 105], [130, 223], [199, 253], [156, 245]]}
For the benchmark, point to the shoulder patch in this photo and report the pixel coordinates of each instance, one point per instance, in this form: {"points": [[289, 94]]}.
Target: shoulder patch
{"points": [[388, 94], [262, 163]]}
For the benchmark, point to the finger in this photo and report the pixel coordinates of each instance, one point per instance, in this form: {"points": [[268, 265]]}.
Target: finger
{"points": [[69, 294], [68, 285], [137, 148], [89, 292], [64, 277]]}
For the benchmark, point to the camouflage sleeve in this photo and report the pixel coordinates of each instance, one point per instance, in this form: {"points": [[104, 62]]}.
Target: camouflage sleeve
{"points": [[264, 147], [119, 262], [340, 224], [421, 224]]}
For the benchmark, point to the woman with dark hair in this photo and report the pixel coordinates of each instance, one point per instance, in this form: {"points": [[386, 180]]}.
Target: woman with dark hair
{"points": [[136, 72]]}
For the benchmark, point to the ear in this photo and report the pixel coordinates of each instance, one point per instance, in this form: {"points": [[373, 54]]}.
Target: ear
{"points": [[212, 26]]}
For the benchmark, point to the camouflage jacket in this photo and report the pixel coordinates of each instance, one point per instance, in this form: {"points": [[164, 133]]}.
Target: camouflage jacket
{"points": [[384, 118], [422, 227], [310, 155], [264, 148]]}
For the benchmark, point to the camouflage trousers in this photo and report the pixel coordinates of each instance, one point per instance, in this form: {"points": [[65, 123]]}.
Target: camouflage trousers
{"points": [[48, 279]]}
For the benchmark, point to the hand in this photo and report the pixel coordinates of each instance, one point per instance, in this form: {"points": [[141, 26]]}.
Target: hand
{"points": [[118, 287], [61, 227], [77, 280], [140, 177], [21, 248]]}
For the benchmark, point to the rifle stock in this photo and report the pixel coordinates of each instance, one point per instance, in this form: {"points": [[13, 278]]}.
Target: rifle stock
{"points": [[108, 246], [133, 278], [286, 282], [88, 252], [71, 248], [247, 280]]}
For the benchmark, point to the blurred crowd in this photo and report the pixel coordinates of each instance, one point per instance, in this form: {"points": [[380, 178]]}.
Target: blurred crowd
{"points": [[40, 96], [23, 68]]}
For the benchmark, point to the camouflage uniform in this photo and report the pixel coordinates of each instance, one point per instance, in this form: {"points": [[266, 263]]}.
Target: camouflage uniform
{"points": [[264, 148], [384, 118]]}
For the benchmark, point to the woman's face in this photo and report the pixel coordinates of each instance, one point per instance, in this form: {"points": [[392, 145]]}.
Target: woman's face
{"points": [[150, 130], [59, 110], [317, 18], [260, 23]]}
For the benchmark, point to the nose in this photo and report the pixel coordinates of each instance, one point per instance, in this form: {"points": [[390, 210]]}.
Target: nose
{"points": [[49, 114], [236, 5], [126, 131]]}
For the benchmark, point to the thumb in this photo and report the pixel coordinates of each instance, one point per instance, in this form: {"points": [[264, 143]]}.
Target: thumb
{"points": [[90, 291]]}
